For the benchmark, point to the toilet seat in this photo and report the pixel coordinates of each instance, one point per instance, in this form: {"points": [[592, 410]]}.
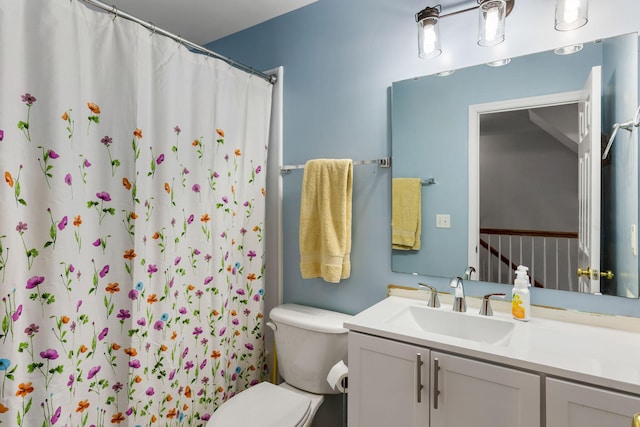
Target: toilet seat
{"points": [[264, 405]]}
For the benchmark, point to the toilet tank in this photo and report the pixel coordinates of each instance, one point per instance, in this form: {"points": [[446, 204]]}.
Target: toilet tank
{"points": [[309, 341]]}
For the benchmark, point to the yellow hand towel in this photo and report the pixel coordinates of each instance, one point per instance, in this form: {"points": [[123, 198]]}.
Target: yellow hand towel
{"points": [[406, 213], [325, 219]]}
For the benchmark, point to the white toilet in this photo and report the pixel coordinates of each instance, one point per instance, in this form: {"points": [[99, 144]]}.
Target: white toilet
{"points": [[309, 341]]}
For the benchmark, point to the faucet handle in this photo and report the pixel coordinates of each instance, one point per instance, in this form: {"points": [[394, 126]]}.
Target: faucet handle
{"points": [[468, 272], [485, 308], [433, 298]]}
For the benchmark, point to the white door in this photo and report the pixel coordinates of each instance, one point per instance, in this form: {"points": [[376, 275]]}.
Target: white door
{"points": [[589, 184]]}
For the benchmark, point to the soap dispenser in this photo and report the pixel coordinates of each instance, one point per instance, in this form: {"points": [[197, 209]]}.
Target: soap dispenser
{"points": [[520, 297]]}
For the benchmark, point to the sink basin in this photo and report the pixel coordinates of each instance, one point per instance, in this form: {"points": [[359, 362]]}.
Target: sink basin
{"points": [[458, 325]]}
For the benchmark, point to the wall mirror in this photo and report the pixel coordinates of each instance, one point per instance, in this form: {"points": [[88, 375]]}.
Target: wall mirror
{"points": [[515, 182]]}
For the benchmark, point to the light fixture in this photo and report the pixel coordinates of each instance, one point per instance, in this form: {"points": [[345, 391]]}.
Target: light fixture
{"points": [[428, 32], [568, 50], [490, 31], [491, 22], [571, 14], [499, 62]]}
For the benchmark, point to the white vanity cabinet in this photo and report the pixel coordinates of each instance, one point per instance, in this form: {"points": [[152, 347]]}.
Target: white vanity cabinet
{"points": [[388, 383], [466, 392], [576, 405]]}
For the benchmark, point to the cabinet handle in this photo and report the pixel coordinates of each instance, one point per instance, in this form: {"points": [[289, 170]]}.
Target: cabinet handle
{"points": [[436, 392], [419, 385]]}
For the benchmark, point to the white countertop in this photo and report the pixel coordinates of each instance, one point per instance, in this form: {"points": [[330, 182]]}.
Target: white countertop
{"points": [[602, 356]]}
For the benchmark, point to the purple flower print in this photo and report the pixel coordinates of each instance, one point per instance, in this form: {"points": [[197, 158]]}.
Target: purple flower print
{"points": [[197, 330], [185, 352], [68, 179], [63, 223], [254, 382], [177, 129], [142, 321], [87, 163], [245, 204], [133, 294], [258, 169], [158, 325], [53, 154], [28, 99], [104, 196], [104, 271], [79, 302], [107, 140], [152, 269], [216, 175], [205, 417], [172, 375], [150, 391], [93, 371], [97, 242], [16, 314], [50, 354], [196, 188], [188, 365], [235, 321], [189, 220], [208, 280], [240, 291], [129, 411], [160, 159], [117, 387], [72, 379], [21, 227], [32, 329], [256, 297], [225, 199], [249, 346], [203, 364], [177, 260], [103, 334], [251, 254], [134, 363], [182, 310], [56, 415], [185, 171], [34, 281], [222, 331], [123, 314]]}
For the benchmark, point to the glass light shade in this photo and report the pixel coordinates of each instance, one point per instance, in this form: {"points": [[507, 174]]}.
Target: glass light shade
{"points": [[568, 50], [491, 22], [428, 38], [571, 14]]}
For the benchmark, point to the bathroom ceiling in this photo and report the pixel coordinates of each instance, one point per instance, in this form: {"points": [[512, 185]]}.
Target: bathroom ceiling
{"points": [[204, 21]]}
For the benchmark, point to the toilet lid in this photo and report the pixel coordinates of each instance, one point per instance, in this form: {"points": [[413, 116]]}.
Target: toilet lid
{"points": [[264, 405]]}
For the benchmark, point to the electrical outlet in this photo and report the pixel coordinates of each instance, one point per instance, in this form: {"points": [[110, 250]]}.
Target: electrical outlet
{"points": [[443, 221]]}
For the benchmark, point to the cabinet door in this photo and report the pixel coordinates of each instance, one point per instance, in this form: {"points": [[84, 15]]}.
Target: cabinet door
{"points": [[388, 383], [466, 392], [575, 405]]}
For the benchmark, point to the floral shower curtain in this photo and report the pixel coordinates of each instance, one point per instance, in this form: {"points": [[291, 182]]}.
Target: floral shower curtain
{"points": [[131, 222]]}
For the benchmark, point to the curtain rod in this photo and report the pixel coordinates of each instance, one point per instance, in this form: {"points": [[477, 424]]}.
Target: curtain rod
{"points": [[150, 26]]}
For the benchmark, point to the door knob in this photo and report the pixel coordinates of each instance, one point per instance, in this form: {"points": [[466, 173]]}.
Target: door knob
{"points": [[584, 272], [607, 274]]}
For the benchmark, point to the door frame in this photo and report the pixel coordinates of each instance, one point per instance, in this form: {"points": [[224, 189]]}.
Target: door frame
{"points": [[475, 110]]}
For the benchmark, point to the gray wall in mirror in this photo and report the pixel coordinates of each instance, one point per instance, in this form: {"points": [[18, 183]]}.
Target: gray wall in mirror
{"points": [[430, 139]]}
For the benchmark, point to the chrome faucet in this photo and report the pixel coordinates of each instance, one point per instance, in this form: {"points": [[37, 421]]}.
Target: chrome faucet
{"points": [[467, 273], [433, 298], [485, 308], [459, 303]]}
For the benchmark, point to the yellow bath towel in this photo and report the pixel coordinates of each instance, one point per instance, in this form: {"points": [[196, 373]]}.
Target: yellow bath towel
{"points": [[325, 219], [406, 213]]}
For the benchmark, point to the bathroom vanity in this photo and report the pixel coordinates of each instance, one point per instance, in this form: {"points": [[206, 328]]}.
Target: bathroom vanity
{"points": [[412, 365]]}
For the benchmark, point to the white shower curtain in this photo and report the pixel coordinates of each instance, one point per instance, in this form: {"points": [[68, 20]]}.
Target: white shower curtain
{"points": [[131, 222]]}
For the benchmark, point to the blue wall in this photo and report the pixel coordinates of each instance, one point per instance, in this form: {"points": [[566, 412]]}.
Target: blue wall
{"points": [[340, 58]]}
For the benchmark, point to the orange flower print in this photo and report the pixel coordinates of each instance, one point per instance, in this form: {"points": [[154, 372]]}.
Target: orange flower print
{"points": [[215, 354], [64, 116], [8, 179], [130, 351], [137, 133], [152, 298], [77, 220], [129, 254], [238, 153], [234, 313], [172, 413], [116, 346], [65, 319], [220, 132], [260, 315], [83, 348], [117, 418], [155, 236], [237, 333], [220, 389], [138, 379], [24, 389], [251, 277], [185, 407], [134, 215], [262, 190], [191, 287], [126, 183], [3, 409], [167, 187], [187, 392], [205, 218], [163, 347], [154, 418], [195, 143], [82, 405], [169, 398], [93, 107], [215, 312], [112, 288], [174, 335]]}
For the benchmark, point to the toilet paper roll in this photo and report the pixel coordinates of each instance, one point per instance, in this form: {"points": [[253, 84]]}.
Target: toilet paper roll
{"points": [[337, 377]]}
